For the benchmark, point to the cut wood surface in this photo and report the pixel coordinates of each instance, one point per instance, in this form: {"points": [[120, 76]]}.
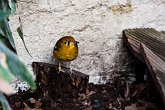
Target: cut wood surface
{"points": [[60, 83], [148, 45]]}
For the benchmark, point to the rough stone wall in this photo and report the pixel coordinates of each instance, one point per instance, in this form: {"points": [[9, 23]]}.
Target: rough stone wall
{"points": [[96, 24]]}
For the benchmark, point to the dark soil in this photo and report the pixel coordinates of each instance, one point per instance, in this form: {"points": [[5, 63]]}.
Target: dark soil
{"points": [[112, 96], [118, 95]]}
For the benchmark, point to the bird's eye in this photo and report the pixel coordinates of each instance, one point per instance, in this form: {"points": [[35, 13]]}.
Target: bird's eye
{"points": [[68, 43]]}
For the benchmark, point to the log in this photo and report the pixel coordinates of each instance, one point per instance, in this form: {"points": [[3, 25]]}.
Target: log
{"points": [[59, 84]]}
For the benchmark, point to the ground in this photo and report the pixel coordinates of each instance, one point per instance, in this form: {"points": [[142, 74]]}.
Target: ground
{"points": [[118, 95]]}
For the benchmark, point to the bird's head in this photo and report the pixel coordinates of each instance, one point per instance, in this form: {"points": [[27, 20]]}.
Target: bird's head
{"points": [[69, 41]]}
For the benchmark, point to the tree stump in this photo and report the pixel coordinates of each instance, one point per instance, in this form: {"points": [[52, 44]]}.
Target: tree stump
{"points": [[59, 84]]}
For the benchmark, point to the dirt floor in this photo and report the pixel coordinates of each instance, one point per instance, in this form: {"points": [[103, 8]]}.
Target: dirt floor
{"points": [[118, 95]]}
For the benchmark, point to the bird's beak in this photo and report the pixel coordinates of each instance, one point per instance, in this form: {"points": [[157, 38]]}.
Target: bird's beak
{"points": [[75, 42]]}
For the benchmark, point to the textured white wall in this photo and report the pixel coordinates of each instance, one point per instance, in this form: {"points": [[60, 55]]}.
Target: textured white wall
{"points": [[96, 24]]}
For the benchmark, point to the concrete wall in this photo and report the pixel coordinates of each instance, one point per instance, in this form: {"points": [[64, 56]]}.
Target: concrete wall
{"points": [[96, 24]]}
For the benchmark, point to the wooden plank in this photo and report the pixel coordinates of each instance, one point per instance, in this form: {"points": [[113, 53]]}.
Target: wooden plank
{"points": [[135, 47], [155, 40], [129, 41], [148, 45], [156, 67]]}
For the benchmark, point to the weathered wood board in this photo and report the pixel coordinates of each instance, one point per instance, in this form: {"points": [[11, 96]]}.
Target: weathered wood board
{"points": [[153, 39], [148, 45]]}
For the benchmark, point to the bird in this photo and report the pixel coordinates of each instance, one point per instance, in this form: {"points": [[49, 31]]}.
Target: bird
{"points": [[65, 49]]}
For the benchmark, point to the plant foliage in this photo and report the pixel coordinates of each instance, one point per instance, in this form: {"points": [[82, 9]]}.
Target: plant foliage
{"points": [[10, 65]]}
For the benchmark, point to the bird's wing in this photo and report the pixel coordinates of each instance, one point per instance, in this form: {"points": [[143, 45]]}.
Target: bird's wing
{"points": [[58, 45]]}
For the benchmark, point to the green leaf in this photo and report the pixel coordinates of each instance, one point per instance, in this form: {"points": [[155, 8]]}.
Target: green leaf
{"points": [[17, 67], [20, 32], [1, 32], [6, 42], [5, 9], [4, 102], [5, 73], [6, 29], [13, 6]]}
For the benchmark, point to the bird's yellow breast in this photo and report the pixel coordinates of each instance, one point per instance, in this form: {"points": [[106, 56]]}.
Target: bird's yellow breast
{"points": [[66, 53]]}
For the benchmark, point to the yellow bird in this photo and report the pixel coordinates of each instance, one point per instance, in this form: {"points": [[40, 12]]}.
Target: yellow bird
{"points": [[65, 49]]}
